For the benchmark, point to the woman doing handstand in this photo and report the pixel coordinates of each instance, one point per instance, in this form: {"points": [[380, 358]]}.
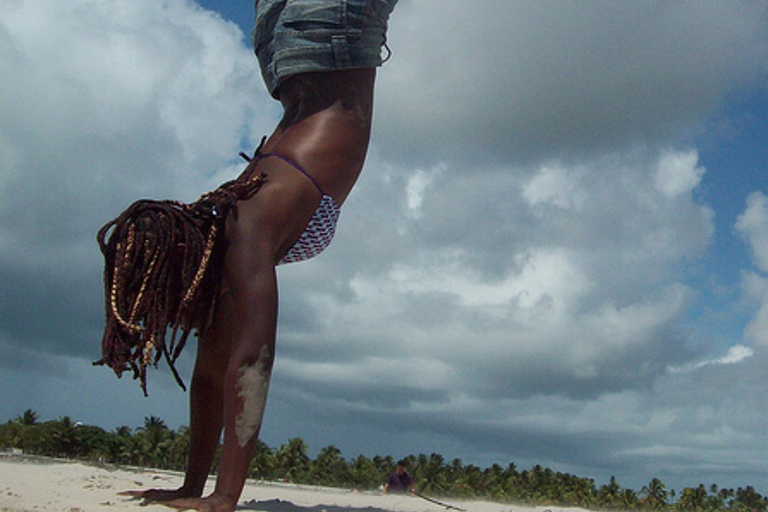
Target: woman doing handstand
{"points": [[318, 58]]}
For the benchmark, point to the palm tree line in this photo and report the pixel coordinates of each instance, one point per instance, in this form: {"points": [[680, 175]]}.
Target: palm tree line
{"points": [[155, 445]]}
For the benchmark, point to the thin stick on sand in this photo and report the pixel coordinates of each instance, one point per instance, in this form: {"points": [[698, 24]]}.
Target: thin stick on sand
{"points": [[436, 502]]}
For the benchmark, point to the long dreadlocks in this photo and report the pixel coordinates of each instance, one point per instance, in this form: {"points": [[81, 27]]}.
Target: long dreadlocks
{"points": [[163, 268]]}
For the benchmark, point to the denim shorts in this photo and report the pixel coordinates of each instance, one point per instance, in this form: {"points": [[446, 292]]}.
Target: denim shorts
{"points": [[302, 36]]}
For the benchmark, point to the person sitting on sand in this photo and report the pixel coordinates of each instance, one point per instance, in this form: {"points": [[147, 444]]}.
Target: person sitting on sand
{"points": [[399, 481]]}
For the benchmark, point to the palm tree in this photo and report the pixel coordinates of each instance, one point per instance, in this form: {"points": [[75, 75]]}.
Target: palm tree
{"points": [[178, 448], [655, 494], [122, 448], [330, 468], [628, 499], [693, 500], [64, 438], [749, 499], [263, 462], [363, 474], [93, 442], [577, 491], [28, 418], [456, 474], [10, 435], [610, 494], [153, 438], [432, 475], [292, 460], [495, 482], [725, 495], [475, 479]]}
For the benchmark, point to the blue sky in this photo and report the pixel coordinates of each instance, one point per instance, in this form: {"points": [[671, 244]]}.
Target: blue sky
{"points": [[557, 253], [733, 151]]}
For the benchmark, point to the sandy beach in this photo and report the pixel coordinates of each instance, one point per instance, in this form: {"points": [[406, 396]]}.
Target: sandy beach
{"points": [[40, 484]]}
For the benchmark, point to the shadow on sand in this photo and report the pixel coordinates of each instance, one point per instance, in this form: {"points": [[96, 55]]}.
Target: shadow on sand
{"points": [[286, 506]]}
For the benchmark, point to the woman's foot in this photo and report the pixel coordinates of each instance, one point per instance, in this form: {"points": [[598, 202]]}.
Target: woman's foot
{"points": [[212, 503]]}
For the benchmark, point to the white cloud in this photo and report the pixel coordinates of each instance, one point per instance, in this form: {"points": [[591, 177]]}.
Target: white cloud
{"points": [[736, 354], [546, 275], [540, 79], [752, 224], [418, 185], [584, 289], [557, 186], [755, 288], [678, 173]]}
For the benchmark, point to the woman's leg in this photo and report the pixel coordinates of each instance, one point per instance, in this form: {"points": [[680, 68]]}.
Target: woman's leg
{"points": [[326, 130]]}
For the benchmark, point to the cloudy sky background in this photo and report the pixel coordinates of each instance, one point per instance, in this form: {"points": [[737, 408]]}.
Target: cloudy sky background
{"points": [[557, 253]]}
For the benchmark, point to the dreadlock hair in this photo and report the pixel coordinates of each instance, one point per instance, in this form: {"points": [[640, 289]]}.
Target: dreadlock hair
{"points": [[163, 268]]}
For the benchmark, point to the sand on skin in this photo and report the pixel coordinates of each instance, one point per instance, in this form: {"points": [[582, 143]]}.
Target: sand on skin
{"points": [[37, 484]]}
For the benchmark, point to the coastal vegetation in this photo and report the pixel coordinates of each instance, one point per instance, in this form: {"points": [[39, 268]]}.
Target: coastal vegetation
{"points": [[155, 445]]}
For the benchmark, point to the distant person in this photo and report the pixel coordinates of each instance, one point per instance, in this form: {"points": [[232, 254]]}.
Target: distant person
{"points": [[400, 481]]}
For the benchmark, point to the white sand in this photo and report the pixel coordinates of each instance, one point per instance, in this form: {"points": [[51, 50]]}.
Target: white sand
{"points": [[37, 484]]}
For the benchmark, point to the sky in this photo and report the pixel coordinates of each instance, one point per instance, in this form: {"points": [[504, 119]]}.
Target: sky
{"points": [[557, 252]]}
